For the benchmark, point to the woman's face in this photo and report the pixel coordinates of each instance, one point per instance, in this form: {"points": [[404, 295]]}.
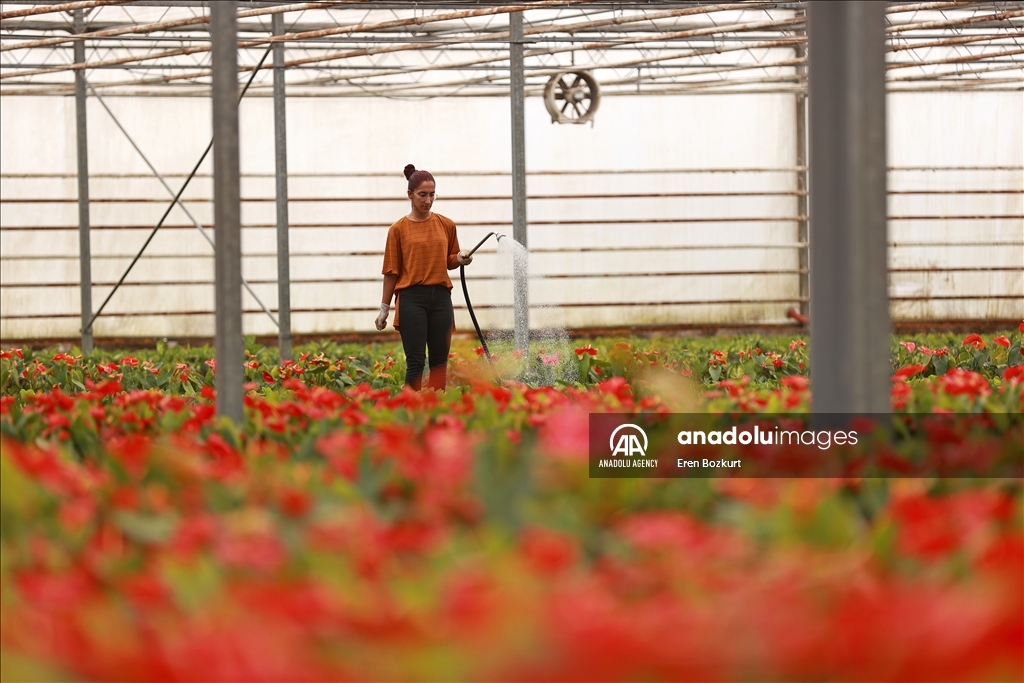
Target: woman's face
{"points": [[423, 196]]}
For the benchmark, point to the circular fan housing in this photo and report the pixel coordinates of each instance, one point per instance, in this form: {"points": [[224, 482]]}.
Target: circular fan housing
{"points": [[572, 97]]}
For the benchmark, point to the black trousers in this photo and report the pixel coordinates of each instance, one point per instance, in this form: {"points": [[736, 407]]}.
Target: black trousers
{"points": [[425, 322]]}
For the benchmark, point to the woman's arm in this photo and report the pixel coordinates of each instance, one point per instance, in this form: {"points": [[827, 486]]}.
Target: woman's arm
{"points": [[453, 248], [389, 288]]}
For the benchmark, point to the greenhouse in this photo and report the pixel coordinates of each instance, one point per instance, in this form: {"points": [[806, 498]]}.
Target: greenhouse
{"points": [[680, 201], [710, 363]]}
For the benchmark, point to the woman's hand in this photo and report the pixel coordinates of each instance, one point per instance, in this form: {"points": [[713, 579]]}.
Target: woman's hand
{"points": [[465, 258], [382, 318]]}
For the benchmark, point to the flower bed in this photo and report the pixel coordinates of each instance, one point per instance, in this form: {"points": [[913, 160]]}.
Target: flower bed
{"points": [[350, 530]]}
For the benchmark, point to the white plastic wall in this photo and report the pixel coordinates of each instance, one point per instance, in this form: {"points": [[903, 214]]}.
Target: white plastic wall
{"points": [[363, 135]]}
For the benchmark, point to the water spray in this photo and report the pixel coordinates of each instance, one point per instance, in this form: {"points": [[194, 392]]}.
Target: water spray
{"points": [[465, 292]]}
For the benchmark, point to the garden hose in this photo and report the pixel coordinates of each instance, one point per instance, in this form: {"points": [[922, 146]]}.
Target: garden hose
{"points": [[465, 293]]}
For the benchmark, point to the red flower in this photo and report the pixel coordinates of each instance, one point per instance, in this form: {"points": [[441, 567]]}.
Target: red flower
{"points": [[795, 382], [588, 349], [909, 346], [295, 503], [107, 388], [546, 551], [146, 590], [1002, 341], [58, 421], [5, 404], [193, 534], [960, 382], [899, 394], [258, 550], [70, 360], [76, 513], [618, 386], [974, 340], [342, 450], [907, 371], [56, 591], [934, 526], [566, 434]]}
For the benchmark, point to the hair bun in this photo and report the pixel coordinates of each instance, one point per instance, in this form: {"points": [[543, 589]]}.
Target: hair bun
{"points": [[409, 170]]}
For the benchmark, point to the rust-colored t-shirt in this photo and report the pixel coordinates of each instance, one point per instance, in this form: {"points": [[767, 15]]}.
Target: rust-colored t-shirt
{"points": [[421, 253]]}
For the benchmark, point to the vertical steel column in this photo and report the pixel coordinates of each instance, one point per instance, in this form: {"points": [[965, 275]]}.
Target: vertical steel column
{"points": [[227, 210], [800, 52], [284, 301], [520, 278], [82, 139], [849, 290]]}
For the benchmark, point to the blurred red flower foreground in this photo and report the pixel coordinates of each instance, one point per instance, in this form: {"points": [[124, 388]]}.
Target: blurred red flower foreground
{"points": [[361, 534]]}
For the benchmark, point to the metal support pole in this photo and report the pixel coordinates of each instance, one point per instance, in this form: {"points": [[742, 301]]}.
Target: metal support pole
{"points": [[82, 139], [849, 290], [227, 210], [284, 311], [520, 277], [800, 51]]}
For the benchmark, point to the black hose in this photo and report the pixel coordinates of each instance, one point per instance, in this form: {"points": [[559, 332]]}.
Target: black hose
{"points": [[465, 293]]}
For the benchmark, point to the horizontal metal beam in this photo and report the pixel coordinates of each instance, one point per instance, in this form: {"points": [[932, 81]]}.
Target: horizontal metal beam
{"points": [[538, 250], [50, 8], [538, 172], [937, 270], [577, 222], [508, 307], [482, 198]]}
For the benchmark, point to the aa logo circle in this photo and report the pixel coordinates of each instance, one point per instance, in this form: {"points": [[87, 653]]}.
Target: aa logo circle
{"points": [[626, 440]]}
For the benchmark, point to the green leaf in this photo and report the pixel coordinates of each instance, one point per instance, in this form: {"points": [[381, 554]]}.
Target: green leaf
{"points": [[584, 365], [1013, 356], [145, 528]]}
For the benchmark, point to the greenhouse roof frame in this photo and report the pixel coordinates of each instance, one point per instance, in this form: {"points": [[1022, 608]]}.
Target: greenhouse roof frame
{"points": [[439, 49]]}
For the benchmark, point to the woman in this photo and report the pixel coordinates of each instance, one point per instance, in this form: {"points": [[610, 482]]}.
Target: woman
{"points": [[421, 248]]}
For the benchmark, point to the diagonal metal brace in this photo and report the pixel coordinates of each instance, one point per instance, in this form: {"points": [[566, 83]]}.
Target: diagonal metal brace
{"points": [[195, 221], [174, 202]]}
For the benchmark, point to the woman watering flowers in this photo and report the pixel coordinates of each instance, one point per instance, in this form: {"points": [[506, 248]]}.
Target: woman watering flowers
{"points": [[422, 247]]}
